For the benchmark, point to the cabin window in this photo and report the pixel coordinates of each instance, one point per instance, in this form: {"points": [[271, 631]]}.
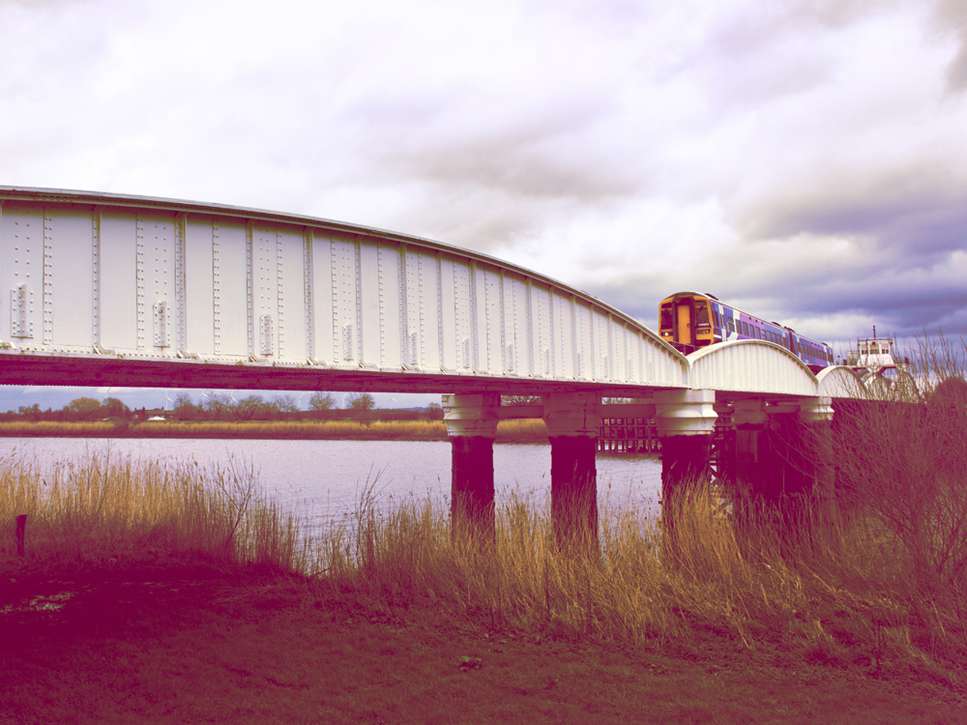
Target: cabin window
{"points": [[666, 317], [701, 313]]}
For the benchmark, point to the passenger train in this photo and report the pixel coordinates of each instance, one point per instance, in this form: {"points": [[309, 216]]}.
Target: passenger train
{"points": [[689, 320]]}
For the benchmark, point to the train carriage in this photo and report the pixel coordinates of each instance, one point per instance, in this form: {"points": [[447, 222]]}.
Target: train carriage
{"points": [[690, 320]]}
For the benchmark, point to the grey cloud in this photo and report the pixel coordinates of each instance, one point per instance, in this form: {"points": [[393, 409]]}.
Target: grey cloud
{"points": [[532, 152], [763, 52], [916, 209], [951, 17], [489, 170], [757, 26]]}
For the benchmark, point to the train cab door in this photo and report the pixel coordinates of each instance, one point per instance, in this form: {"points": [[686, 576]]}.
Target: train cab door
{"points": [[683, 320]]}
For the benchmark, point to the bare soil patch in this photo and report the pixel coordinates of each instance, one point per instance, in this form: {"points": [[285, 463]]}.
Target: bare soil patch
{"points": [[190, 641]]}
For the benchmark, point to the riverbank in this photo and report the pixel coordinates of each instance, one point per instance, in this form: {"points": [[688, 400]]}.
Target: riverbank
{"points": [[508, 431], [136, 637], [147, 578]]}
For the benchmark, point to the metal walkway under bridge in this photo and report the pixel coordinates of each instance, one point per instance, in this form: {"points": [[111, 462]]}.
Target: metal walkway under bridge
{"points": [[113, 290]]}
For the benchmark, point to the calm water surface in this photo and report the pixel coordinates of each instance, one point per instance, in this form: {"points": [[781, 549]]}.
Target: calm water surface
{"points": [[322, 480]]}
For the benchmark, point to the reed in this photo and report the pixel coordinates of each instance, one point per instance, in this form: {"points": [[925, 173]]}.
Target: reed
{"points": [[56, 428], [833, 591], [520, 431], [840, 589], [105, 507], [330, 429]]}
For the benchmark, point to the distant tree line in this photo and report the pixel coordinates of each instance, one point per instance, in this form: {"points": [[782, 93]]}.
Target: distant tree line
{"points": [[221, 407]]}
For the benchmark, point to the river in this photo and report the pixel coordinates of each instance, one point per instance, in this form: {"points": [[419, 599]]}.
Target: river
{"points": [[321, 481]]}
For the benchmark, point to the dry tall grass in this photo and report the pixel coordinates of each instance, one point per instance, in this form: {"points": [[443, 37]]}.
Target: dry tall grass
{"points": [[55, 428], [835, 591], [104, 507], [902, 460], [526, 431]]}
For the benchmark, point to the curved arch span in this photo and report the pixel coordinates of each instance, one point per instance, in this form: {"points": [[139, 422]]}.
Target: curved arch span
{"points": [[751, 366], [130, 278]]}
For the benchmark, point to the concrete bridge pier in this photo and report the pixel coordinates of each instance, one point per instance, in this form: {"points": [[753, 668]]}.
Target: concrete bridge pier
{"points": [[686, 421], [471, 422], [779, 472], [778, 450], [816, 415], [749, 420], [749, 460], [573, 421]]}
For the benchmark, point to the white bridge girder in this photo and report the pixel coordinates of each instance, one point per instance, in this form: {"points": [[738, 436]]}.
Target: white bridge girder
{"points": [[102, 289], [106, 277]]}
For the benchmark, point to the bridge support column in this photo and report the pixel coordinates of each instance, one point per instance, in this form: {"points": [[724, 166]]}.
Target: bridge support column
{"points": [[471, 422], [780, 449], [573, 422], [750, 420], [686, 421], [778, 474], [750, 464], [817, 415]]}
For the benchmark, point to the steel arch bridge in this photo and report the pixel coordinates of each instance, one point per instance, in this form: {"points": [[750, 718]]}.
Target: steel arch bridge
{"points": [[107, 289], [114, 290]]}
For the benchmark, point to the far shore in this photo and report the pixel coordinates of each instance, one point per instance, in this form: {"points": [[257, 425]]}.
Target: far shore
{"points": [[510, 431]]}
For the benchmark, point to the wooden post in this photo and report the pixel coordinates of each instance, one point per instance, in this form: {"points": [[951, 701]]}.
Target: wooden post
{"points": [[21, 534]]}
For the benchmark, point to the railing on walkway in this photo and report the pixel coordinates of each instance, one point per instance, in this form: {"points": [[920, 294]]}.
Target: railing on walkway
{"points": [[636, 436], [628, 436]]}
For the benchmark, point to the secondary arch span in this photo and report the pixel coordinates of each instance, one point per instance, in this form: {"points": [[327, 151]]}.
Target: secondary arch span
{"points": [[839, 381], [750, 366]]}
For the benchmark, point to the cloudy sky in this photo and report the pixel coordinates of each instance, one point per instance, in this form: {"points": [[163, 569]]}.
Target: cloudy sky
{"points": [[806, 160]]}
